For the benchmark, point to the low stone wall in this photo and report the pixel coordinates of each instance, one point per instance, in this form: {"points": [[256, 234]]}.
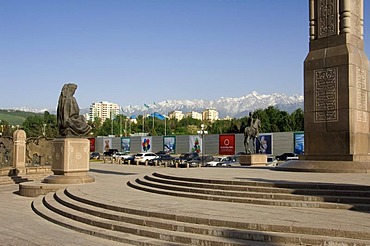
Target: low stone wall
{"points": [[22, 156]]}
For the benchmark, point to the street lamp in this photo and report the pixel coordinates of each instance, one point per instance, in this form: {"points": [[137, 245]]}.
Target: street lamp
{"points": [[43, 129], [201, 133]]}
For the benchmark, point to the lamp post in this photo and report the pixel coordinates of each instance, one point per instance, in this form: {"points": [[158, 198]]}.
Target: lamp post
{"points": [[201, 133], [44, 129]]}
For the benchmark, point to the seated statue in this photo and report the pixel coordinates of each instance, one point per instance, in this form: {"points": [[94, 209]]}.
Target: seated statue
{"points": [[70, 123]]}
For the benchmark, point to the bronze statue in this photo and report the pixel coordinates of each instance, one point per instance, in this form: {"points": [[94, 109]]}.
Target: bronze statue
{"points": [[70, 123], [251, 133]]}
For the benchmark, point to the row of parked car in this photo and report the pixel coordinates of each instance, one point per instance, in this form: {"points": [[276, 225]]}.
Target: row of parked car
{"points": [[192, 159], [189, 158]]}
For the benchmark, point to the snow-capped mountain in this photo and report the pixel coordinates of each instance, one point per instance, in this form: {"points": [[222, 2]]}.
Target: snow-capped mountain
{"points": [[226, 106], [29, 109]]}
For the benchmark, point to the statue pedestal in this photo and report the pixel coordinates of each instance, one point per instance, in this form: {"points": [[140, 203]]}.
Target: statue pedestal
{"points": [[71, 161], [253, 159]]}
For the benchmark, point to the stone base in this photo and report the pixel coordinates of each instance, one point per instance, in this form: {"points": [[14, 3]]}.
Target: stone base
{"points": [[324, 166], [65, 179], [71, 162], [254, 159], [37, 188], [70, 155]]}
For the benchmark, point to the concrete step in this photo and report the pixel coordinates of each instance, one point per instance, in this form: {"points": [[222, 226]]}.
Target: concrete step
{"points": [[286, 187], [39, 208], [222, 192], [174, 229], [5, 180], [265, 193], [145, 186], [217, 227], [168, 237], [277, 183]]}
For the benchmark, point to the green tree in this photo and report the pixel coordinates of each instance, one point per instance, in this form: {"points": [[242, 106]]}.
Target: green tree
{"points": [[33, 126]]}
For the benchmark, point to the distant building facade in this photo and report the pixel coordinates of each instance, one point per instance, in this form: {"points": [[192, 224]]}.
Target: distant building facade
{"points": [[194, 115], [177, 114], [210, 115], [103, 110]]}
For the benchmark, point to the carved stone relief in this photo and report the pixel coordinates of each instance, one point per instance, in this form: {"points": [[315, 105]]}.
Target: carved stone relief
{"points": [[361, 103], [326, 95], [327, 18]]}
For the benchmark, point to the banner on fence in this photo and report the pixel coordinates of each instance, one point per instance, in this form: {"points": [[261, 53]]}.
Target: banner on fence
{"points": [[226, 145]]}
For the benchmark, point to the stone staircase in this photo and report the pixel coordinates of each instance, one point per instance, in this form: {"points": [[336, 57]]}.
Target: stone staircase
{"points": [[132, 225], [6, 180], [292, 194]]}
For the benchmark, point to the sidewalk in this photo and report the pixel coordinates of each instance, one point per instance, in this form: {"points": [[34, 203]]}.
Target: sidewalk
{"points": [[21, 226]]}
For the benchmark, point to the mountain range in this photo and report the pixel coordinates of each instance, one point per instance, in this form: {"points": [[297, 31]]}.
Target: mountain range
{"points": [[226, 106]]}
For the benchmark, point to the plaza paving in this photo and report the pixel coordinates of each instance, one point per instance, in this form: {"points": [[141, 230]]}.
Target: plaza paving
{"points": [[21, 226]]}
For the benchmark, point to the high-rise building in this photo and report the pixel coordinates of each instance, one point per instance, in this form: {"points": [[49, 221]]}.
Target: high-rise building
{"points": [[194, 115], [103, 110], [177, 114], [210, 115]]}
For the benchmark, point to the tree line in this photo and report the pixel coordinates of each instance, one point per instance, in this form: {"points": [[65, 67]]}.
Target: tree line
{"points": [[273, 120]]}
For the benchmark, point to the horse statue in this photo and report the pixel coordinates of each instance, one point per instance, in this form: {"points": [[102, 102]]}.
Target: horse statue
{"points": [[251, 133]]}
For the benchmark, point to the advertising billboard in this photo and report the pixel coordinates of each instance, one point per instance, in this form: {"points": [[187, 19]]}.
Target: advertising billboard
{"points": [[226, 145], [195, 144], [264, 145], [146, 144], [169, 144], [298, 143], [125, 144], [92, 144]]}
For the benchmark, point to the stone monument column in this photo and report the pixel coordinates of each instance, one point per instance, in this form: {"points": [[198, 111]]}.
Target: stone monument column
{"points": [[19, 153], [336, 90]]}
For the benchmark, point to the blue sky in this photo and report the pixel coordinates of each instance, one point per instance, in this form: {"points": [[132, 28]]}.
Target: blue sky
{"points": [[132, 52]]}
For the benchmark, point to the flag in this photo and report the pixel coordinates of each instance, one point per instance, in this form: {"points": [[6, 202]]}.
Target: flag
{"points": [[157, 115], [147, 106]]}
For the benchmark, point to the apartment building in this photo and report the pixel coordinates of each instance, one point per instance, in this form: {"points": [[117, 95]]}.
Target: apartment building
{"points": [[103, 110], [210, 115]]}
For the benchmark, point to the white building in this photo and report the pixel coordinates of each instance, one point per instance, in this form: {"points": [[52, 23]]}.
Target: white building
{"points": [[103, 110], [194, 115], [177, 114], [210, 115]]}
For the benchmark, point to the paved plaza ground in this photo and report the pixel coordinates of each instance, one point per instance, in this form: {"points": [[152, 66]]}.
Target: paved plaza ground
{"points": [[21, 226]]}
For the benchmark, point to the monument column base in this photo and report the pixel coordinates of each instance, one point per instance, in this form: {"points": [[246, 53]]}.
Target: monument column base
{"points": [[71, 161], [253, 159], [324, 166]]}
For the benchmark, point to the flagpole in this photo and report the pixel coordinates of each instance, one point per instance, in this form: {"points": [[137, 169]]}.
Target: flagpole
{"points": [[153, 117], [165, 121]]}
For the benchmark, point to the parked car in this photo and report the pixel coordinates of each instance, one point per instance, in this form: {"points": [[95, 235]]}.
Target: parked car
{"points": [[187, 156], [284, 156], [272, 162], [94, 155], [145, 156], [199, 160], [289, 158], [163, 158], [119, 154], [128, 158], [110, 152], [214, 162], [229, 161]]}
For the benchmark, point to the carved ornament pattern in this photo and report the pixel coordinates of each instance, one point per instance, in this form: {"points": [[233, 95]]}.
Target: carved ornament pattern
{"points": [[326, 95], [327, 18], [361, 102]]}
